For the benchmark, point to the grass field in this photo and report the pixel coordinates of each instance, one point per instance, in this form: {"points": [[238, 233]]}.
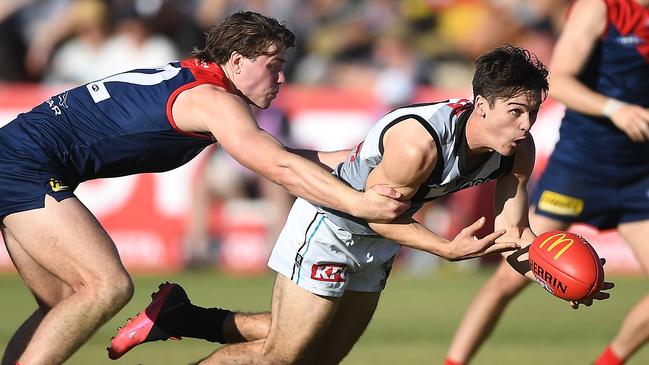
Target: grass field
{"points": [[413, 324]]}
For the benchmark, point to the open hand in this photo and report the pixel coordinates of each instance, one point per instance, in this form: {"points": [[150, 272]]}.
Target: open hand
{"points": [[633, 120], [466, 245]]}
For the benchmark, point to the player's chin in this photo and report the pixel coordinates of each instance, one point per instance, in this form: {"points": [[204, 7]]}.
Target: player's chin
{"points": [[264, 103]]}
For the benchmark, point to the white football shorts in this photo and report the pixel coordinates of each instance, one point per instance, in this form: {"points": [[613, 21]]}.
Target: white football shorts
{"points": [[324, 259]]}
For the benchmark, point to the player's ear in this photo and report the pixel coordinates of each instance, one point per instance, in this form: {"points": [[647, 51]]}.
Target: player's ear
{"points": [[235, 61], [481, 106]]}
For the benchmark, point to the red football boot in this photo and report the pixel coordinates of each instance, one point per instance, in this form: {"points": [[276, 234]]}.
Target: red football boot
{"points": [[143, 328]]}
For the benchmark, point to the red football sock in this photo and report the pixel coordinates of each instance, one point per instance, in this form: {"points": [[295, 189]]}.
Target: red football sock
{"points": [[608, 357], [448, 361]]}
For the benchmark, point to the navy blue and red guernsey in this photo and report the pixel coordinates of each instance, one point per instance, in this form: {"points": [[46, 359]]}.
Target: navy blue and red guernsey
{"points": [[116, 126], [618, 68], [596, 174]]}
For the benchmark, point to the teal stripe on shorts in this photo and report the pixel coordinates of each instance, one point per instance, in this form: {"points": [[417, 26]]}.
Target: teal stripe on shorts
{"points": [[308, 243]]}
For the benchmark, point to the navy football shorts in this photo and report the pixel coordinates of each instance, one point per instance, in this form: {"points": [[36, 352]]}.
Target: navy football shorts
{"points": [[26, 175], [599, 194]]}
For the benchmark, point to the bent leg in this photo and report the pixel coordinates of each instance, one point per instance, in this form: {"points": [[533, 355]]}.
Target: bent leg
{"points": [[65, 240], [52, 291], [491, 300], [299, 320], [634, 331], [354, 313]]}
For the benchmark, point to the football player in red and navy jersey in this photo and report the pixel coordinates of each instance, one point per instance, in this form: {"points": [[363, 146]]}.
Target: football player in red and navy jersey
{"points": [[146, 120], [598, 173]]}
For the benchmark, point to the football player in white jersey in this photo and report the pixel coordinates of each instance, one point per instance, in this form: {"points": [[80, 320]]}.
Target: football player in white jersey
{"points": [[332, 267]]}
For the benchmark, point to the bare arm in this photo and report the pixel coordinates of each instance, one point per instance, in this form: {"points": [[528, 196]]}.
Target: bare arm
{"points": [[230, 120], [511, 206], [409, 157], [586, 23]]}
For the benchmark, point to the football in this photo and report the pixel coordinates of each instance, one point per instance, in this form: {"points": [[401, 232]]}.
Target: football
{"points": [[566, 265]]}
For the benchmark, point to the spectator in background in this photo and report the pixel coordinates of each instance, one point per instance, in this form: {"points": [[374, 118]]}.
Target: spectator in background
{"points": [[445, 35], [80, 58], [13, 46], [71, 40], [132, 44], [397, 67], [451, 33], [329, 57], [31, 31]]}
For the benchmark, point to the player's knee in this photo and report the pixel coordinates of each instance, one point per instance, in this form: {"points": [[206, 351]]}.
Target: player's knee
{"points": [[116, 294], [122, 290]]}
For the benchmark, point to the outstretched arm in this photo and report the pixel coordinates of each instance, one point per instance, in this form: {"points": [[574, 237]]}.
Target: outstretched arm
{"points": [[206, 108], [409, 157]]}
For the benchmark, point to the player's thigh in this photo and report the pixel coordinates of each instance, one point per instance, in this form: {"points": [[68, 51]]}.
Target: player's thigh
{"points": [[65, 239], [541, 223], [354, 313], [635, 234], [299, 319], [46, 287]]}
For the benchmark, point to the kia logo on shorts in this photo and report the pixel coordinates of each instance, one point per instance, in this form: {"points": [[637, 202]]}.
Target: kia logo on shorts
{"points": [[328, 272]]}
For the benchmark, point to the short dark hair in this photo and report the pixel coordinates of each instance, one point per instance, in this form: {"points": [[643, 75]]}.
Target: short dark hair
{"points": [[246, 32], [508, 71]]}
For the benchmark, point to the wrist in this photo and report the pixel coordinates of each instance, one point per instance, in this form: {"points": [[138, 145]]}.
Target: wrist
{"points": [[442, 248], [612, 106], [351, 204]]}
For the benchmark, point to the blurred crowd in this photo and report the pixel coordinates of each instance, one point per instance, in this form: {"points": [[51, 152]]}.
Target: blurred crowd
{"points": [[339, 42], [391, 46]]}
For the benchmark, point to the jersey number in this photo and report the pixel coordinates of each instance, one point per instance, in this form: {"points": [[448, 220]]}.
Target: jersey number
{"points": [[99, 92]]}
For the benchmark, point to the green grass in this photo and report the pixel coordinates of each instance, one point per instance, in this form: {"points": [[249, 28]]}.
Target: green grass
{"points": [[413, 324]]}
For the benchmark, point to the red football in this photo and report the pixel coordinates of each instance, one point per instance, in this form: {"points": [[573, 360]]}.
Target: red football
{"points": [[566, 265]]}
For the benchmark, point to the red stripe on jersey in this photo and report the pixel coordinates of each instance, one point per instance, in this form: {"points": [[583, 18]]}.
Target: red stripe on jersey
{"points": [[204, 73], [170, 104], [629, 17]]}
